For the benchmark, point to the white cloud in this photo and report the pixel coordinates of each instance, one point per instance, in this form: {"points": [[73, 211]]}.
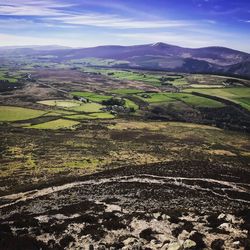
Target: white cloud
{"points": [[115, 6], [27, 11], [50, 10], [16, 23], [211, 21], [48, 3], [223, 11], [114, 21], [22, 24], [53, 14], [32, 8]]}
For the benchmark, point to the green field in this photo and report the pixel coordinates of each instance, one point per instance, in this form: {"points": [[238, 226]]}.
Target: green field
{"points": [[73, 105], [145, 77], [238, 95], [92, 61], [126, 91], [92, 96], [205, 86], [11, 113], [3, 76], [91, 116], [87, 107], [99, 98], [197, 101], [56, 124], [59, 113], [131, 104], [184, 97], [61, 103], [95, 107], [79, 117], [102, 115], [151, 79], [53, 65], [156, 97], [179, 82]]}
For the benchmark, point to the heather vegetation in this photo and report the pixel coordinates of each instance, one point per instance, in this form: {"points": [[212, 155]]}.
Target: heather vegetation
{"points": [[108, 153]]}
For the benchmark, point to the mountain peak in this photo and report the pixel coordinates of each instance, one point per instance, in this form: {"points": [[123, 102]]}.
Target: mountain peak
{"points": [[158, 44]]}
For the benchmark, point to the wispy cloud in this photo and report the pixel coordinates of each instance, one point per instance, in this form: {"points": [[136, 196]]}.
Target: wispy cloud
{"points": [[48, 3], [244, 20], [53, 11], [211, 21], [223, 11], [16, 23], [95, 22], [114, 21], [60, 12], [22, 24], [32, 8], [115, 6]]}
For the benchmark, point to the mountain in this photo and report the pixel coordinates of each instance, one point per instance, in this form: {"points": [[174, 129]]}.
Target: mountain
{"points": [[242, 68], [217, 55], [160, 56]]}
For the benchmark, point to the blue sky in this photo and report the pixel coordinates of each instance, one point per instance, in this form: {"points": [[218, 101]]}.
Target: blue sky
{"points": [[85, 23]]}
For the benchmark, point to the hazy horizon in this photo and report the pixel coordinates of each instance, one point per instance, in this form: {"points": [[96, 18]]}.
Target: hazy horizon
{"points": [[85, 23], [85, 47]]}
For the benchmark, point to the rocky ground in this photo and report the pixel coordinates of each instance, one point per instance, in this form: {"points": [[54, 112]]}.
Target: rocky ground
{"points": [[174, 205]]}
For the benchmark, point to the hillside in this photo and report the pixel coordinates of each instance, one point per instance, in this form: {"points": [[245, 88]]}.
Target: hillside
{"points": [[159, 56]]}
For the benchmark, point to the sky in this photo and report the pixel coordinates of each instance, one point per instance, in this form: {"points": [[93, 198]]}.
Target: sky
{"points": [[87, 23]]}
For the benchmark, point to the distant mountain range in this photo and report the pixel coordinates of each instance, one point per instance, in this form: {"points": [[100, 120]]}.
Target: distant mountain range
{"points": [[158, 56]]}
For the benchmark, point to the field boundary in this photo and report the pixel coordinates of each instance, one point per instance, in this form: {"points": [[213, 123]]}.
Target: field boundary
{"points": [[224, 101]]}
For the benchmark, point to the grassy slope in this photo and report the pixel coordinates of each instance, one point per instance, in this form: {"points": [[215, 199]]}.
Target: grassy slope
{"points": [[131, 104], [74, 105], [184, 97], [126, 91], [91, 116], [92, 96], [11, 113], [237, 95], [61, 103], [92, 61], [9, 78], [56, 124], [88, 108], [99, 98]]}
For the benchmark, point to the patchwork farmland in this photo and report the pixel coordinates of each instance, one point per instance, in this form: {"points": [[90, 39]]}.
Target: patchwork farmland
{"points": [[103, 156]]}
